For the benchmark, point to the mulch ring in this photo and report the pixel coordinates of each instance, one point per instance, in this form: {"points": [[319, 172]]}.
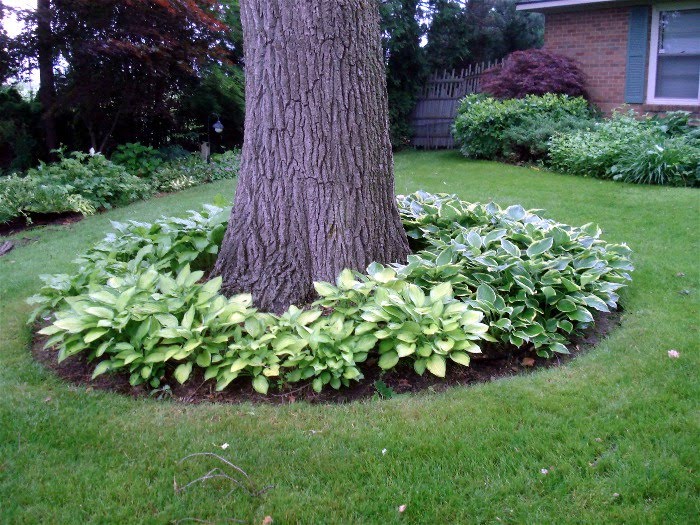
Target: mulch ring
{"points": [[497, 361], [20, 224]]}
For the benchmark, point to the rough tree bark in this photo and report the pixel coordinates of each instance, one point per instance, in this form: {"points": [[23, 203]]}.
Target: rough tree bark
{"points": [[47, 87], [316, 188]]}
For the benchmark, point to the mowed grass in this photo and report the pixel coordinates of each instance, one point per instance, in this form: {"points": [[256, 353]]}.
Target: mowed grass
{"points": [[617, 430]]}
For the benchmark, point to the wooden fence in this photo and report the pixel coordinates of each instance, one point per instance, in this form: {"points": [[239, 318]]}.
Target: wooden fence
{"points": [[437, 105]]}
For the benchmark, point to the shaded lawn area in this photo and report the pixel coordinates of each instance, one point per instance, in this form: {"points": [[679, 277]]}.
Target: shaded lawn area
{"points": [[616, 429]]}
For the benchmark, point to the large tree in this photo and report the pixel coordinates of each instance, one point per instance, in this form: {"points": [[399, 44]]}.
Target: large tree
{"points": [[121, 63], [464, 32], [316, 189]]}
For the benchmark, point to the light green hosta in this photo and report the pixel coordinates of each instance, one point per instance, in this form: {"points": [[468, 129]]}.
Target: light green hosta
{"points": [[480, 273], [426, 328]]}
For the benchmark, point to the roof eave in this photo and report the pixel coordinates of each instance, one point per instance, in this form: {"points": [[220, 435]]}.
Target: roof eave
{"points": [[548, 5]]}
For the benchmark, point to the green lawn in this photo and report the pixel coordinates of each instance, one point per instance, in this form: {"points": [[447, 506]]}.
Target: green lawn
{"points": [[617, 429]]}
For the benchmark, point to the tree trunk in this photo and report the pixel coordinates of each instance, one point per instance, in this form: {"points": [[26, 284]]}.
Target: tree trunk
{"points": [[47, 87], [316, 189]]}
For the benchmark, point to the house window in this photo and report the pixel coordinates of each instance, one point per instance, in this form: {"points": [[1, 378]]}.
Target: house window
{"points": [[674, 63]]}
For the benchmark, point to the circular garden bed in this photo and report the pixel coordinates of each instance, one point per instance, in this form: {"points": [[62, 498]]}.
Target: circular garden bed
{"points": [[487, 292]]}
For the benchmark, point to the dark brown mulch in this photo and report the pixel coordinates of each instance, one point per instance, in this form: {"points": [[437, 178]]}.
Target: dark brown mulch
{"points": [[20, 224], [497, 362]]}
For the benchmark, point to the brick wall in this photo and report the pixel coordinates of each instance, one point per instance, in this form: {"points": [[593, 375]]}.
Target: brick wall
{"points": [[597, 38]]}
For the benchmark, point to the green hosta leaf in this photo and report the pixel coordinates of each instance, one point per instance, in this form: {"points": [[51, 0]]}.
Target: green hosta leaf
{"points": [[182, 372], [461, 358], [415, 294], [100, 311], [403, 350], [436, 365], [213, 286], [188, 318], [539, 247], [485, 293], [445, 257], [50, 330], [254, 327], [204, 359], [388, 360], [72, 325], [444, 345], [261, 384], [94, 334], [103, 296], [510, 248], [566, 325], [419, 366], [325, 289], [384, 276], [582, 315], [441, 292], [352, 373], [308, 317], [516, 212], [595, 302], [566, 305], [101, 368], [239, 364], [558, 348], [474, 240]]}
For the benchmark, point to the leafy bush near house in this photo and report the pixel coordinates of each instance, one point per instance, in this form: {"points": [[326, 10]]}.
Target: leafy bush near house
{"points": [[652, 150], [480, 273], [534, 72], [516, 129]]}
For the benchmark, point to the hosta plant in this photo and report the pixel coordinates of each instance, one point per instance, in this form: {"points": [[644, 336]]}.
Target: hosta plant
{"points": [[479, 273], [536, 280]]}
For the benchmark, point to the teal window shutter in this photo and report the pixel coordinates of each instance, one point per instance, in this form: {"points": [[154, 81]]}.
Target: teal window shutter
{"points": [[637, 44]]}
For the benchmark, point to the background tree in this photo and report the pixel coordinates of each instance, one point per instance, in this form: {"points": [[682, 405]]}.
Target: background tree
{"points": [[406, 65], [5, 59], [220, 86], [316, 189], [462, 33], [122, 66], [20, 127]]}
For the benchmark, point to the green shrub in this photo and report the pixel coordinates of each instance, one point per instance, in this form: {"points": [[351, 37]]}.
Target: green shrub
{"points": [[77, 182], [21, 196], [481, 273], [98, 180], [536, 280], [138, 159], [192, 170], [529, 138], [642, 150], [486, 128]]}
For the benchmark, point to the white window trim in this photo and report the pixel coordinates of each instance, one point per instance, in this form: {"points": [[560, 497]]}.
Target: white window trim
{"points": [[654, 54]]}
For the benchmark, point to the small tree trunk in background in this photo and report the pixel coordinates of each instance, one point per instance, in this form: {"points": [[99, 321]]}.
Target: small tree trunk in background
{"points": [[47, 88], [316, 189]]}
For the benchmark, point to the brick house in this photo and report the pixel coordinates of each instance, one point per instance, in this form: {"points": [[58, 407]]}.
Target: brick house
{"points": [[643, 53]]}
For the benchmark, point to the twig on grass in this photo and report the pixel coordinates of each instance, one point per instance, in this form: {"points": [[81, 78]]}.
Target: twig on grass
{"points": [[217, 473]]}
